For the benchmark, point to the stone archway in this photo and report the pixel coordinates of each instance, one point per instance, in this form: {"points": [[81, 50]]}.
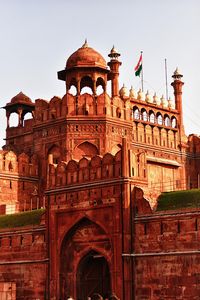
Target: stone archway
{"points": [[93, 276], [84, 243]]}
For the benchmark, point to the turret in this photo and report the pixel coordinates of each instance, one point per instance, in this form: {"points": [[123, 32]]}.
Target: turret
{"points": [[177, 85], [114, 65]]}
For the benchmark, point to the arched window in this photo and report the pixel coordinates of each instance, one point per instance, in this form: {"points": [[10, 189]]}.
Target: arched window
{"points": [[86, 85], [152, 118], [27, 116], [167, 121], [174, 122], [159, 119], [100, 84], [136, 113], [144, 115], [14, 120]]}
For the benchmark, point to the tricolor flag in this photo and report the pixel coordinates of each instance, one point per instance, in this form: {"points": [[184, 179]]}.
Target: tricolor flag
{"points": [[138, 68]]}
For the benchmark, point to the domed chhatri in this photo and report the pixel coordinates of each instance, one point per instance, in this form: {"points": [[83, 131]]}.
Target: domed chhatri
{"points": [[86, 57], [177, 75], [114, 54], [21, 98]]}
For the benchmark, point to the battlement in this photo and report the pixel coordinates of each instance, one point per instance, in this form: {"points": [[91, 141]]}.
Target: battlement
{"points": [[22, 245], [18, 182], [82, 105], [85, 170], [22, 164]]}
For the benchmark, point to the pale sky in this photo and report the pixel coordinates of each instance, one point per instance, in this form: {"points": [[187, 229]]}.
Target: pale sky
{"points": [[37, 37]]}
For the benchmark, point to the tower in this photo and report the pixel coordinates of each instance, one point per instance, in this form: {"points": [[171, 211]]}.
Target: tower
{"points": [[177, 85], [114, 65]]}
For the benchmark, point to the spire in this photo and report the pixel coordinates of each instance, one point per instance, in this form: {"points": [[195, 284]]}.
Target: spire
{"points": [[85, 45]]}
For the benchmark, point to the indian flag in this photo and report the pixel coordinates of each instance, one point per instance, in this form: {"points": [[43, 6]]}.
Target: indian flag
{"points": [[138, 68]]}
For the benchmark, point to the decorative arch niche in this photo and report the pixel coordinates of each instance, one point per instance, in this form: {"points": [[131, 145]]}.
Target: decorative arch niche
{"points": [[85, 149], [80, 245], [55, 153]]}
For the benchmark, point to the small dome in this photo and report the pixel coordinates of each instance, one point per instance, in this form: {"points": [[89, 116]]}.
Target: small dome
{"points": [[114, 54], [124, 92], [132, 93], [21, 98], [141, 95], [177, 75], [86, 57], [156, 100], [164, 101], [177, 72], [171, 103], [148, 98]]}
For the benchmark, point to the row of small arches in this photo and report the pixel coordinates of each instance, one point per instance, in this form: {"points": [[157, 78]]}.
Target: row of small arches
{"points": [[87, 85], [153, 118]]}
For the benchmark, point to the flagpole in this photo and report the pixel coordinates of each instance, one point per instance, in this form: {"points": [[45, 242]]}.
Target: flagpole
{"points": [[166, 83], [142, 77]]}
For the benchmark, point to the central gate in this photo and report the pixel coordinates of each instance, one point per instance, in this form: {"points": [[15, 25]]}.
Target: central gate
{"points": [[93, 276], [84, 267]]}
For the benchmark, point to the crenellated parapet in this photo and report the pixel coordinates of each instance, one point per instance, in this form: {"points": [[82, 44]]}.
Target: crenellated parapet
{"points": [[85, 170], [20, 164], [18, 182]]}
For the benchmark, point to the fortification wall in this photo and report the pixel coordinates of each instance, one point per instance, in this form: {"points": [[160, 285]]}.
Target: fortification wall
{"points": [[166, 253], [18, 182], [23, 260]]}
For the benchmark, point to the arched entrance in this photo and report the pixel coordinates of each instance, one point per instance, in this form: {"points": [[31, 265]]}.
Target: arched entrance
{"points": [[84, 271], [93, 276]]}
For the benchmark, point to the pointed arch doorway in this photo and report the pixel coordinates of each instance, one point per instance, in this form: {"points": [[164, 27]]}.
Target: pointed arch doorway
{"points": [[93, 276]]}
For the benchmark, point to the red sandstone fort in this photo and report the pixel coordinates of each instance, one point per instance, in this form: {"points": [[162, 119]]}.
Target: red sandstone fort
{"points": [[98, 192]]}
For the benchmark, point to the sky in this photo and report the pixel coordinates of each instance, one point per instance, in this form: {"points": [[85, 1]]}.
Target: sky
{"points": [[37, 37]]}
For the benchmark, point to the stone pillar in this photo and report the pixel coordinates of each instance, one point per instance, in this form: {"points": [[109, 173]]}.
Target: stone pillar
{"points": [[20, 120], [8, 118]]}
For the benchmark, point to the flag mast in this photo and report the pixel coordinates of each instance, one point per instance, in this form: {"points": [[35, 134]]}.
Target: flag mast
{"points": [[139, 70], [166, 83], [142, 75]]}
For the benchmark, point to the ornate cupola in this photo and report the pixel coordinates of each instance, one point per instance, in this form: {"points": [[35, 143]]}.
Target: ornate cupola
{"points": [[114, 65], [85, 68], [20, 104]]}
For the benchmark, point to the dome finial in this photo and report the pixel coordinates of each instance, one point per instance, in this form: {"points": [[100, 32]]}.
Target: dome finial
{"points": [[177, 75], [85, 45], [114, 54]]}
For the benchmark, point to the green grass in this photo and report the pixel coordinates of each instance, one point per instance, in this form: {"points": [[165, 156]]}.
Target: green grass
{"points": [[21, 219], [179, 200]]}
